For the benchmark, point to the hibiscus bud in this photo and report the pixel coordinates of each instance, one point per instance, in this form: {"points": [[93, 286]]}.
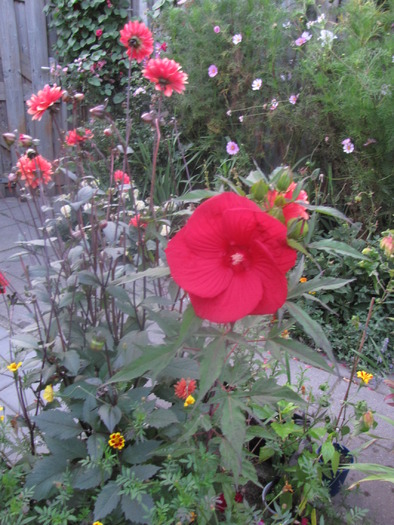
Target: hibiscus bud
{"points": [[368, 419], [297, 229], [97, 342], [284, 181], [108, 132], [66, 97], [98, 111], [79, 97], [25, 140], [259, 190], [9, 138]]}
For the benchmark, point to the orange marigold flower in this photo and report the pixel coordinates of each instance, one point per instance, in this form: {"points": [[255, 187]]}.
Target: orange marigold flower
{"points": [[44, 100], [13, 367], [303, 280], [121, 177], [137, 39], [184, 387], [76, 136], [34, 170], [287, 487], [116, 440], [166, 74], [3, 283], [364, 376]]}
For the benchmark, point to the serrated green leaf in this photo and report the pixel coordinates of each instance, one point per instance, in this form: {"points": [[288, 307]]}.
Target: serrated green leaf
{"points": [[326, 210], [336, 247], [266, 453], [233, 423], [144, 472], [135, 511], [161, 418], [285, 429], [44, 476], [230, 459], [57, 424], [310, 326], [314, 285], [182, 367], [212, 364], [153, 273], [86, 277], [66, 450], [71, 361], [106, 501], [327, 451], [110, 416], [96, 446], [140, 452], [299, 350], [88, 478]]}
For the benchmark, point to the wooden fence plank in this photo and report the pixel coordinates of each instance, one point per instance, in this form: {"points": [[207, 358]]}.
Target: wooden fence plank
{"points": [[11, 68], [38, 51]]}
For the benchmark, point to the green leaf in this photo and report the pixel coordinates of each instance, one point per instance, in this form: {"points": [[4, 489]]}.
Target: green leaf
{"points": [[266, 391], [266, 453], [140, 452], [198, 195], [285, 429], [66, 450], [317, 284], [336, 247], [88, 478], [154, 360], [107, 500], [144, 472], [94, 81], [154, 273], [326, 210], [161, 418], [311, 327], [45, 474], [110, 416], [118, 98], [71, 361], [299, 350], [89, 278], [136, 511], [212, 364], [182, 367], [230, 459], [233, 423], [57, 424], [327, 451], [96, 446]]}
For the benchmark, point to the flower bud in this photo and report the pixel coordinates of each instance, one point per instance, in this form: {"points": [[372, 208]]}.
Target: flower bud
{"points": [[66, 96], [79, 97], [297, 229], [148, 117], [9, 138], [97, 342], [108, 132], [25, 140], [98, 111], [31, 153], [284, 181], [259, 190]]}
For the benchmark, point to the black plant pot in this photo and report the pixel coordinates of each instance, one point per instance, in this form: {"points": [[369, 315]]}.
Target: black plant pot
{"points": [[336, 482]]}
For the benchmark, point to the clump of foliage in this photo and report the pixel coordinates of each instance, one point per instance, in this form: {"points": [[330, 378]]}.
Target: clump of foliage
{"points": [[350, 48]]}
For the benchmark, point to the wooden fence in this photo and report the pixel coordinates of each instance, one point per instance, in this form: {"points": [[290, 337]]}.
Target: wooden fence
{"points": [[24, 61]]}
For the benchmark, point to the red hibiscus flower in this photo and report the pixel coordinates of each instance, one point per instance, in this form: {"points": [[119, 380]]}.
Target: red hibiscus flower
{"points": [[166, 74], [99, 33], [221, 503], [76, 136], [185, 388], [285, 201], [137, 39], [232, 259], [121, 177], [3, 283], [44, 100], [34, 170]]}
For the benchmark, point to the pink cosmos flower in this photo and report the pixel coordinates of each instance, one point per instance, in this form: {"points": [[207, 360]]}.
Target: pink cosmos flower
{"points": [[256, 84], [237, 39], [348, 146], [212, 71], [216, 29], [241, 118], [274, 104], [293, 99], [232, 148]]}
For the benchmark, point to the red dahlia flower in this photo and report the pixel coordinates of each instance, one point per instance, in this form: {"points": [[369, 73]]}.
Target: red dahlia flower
{"points": [[44, 100], [166, 74], [34, 170], [184, 388], [137, 39], [283, 200], [232, 259], [121, 177], [3, 283], [76, 136]]}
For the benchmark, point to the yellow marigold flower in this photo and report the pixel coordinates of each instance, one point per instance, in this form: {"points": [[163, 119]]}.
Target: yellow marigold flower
{"points": [[97, 523], [285, 334], [1, 417], [303, 280], [116, 440], [13, 367], [189, 401], [364, 376], [48, 394], [192, 517]]}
